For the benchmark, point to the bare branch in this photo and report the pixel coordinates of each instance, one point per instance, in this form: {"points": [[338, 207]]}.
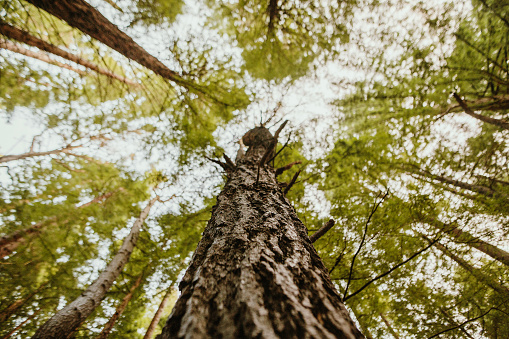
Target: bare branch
{"points": [[324, 229], [291, 183], [220, 163], [229, 162], [389, 271], [463, 323], [280, 170], [373, 210], [496, 122]]}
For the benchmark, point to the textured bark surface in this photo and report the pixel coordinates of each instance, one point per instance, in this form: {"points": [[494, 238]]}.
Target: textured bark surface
{"points": [[25, 37], [66, 321], [255, 273]]}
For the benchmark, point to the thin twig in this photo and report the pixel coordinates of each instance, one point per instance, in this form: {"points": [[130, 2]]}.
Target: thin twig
{"points": [[389, 271], [463, 323], [373, 210], [282, 148]]}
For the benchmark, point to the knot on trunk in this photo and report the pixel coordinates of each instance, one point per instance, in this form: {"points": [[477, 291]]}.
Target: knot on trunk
{"points": [[258, 136]]}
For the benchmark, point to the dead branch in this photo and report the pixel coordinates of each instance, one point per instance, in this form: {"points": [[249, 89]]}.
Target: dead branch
{"points": [[280, 170], [389, 271], [229, 162], [291, 183], [324, 229], [220, 163], [497, 122], [373, 210]]}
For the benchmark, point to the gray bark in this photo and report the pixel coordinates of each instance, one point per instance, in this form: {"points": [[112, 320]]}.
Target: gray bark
{"points": [[66, 321], [255, 273]]}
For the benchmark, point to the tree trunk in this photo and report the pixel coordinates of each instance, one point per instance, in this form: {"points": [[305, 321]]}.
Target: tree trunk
{"points": [[79, 14], [389, 326], [486, 191], [25, 37], [499, 123], [120, 309], [66, 321], [255, 273], [157, 316], [12, 308], [10, 242], [477, 273], [466, 238]]}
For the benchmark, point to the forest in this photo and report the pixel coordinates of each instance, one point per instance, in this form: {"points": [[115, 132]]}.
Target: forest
{"points": [[141, 139]]}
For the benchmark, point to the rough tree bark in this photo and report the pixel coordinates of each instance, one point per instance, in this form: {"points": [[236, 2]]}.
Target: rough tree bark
{"points": [[255, 273], [120, 309], [25, 37], [66, 321]]}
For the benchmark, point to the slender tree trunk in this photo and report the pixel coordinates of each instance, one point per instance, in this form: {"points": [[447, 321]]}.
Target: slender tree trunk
{"points": [[499, 123], [25, 37], [37, 55], [157, 316], [255, 273], [486, 191], [79, 14], [12, 308], [477, 273], [389, 326], [466, 238], [66, 321], [10, 242], [120, 309]]}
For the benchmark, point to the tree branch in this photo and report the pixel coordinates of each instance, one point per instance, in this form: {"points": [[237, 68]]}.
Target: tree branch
{"points": [[390, 271], [496, 122], [460, 325], [280, 170], [373, 210], [291, 183], [324, 229]]}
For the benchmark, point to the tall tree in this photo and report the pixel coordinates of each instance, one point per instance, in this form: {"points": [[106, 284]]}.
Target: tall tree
{"points": [[64, 322], [255, 272]]}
